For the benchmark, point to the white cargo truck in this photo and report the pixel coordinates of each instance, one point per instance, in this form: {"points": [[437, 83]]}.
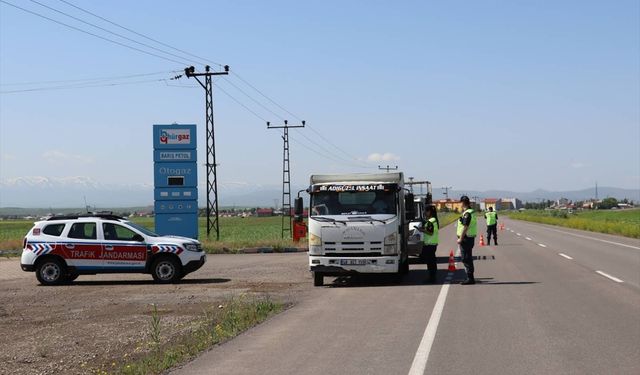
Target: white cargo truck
{"points": [[358, 223]]}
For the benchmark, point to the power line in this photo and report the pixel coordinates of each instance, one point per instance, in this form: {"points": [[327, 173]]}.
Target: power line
{"points": [[253, 99], [81, 86], [139, 34], [168, 53], [292, 114], [331, 143], [165, 58], [106, 30], [240, 103], [325, 149], [90, 33], [87, 79], [264, 95]]}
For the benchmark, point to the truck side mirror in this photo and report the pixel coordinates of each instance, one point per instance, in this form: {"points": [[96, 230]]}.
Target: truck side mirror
{"points": [[410, 210], [429, 200], [298, 206]]}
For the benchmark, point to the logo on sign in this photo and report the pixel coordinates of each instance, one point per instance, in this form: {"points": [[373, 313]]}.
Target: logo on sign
{"points": [[175, 136]]}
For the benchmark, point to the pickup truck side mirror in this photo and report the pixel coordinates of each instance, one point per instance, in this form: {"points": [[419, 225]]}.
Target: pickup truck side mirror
{"points": [[298, 206], [410, 210]]}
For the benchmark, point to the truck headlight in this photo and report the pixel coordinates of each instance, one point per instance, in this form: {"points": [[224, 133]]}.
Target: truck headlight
{"points": [[390, 244], [315, 245], [314, 240]]}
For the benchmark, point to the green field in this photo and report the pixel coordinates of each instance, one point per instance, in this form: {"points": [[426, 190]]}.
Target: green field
{"points": [[620, 222], [235, 233]]}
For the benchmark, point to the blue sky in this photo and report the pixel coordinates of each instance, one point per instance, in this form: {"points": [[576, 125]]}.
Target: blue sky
{"points": [[478, 95]]}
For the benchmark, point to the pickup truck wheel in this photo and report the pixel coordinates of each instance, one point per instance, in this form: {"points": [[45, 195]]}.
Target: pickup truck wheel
{"points": [[51, 272], [166, 270], [318, 279]]}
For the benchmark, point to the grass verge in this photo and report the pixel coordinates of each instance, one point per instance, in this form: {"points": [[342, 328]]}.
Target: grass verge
{"points": [[446, 218], [624, 222], [217, 325]]}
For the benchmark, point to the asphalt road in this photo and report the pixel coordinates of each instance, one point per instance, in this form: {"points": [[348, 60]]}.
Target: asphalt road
{"points": [[541, 308]]}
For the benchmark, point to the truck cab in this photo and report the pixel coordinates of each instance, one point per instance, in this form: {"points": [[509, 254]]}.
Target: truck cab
{"points": [[358, 223]]}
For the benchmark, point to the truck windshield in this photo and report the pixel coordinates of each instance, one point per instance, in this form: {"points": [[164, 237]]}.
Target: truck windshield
{"points": [[353, 203]]}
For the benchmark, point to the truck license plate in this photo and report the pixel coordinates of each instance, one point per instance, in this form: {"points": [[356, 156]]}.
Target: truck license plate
{"points": [[353, 262]]}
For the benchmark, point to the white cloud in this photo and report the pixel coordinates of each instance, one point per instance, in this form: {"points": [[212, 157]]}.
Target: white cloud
{"points": [[578, 165], [59, 157], [387, 156]]}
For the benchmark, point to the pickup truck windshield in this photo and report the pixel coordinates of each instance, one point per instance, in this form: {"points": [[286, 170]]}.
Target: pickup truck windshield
{"points": [[353, 203], [142, 229]]}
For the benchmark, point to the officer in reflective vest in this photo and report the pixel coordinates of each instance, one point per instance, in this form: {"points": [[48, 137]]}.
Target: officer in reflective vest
{"points": [[430, 240], [492, 226], [466, 232]]}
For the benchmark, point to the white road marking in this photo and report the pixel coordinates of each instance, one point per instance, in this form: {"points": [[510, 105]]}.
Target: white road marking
{"points": [[422, 354], [595, 238], [609, 277], [542, 245], [528, 239], [518, 234], [565, 256]]}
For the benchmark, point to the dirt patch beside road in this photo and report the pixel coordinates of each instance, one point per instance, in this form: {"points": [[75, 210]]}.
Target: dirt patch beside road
{"points": [[101, 320]]}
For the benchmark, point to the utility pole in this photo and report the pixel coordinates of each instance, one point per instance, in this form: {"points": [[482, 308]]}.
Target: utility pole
{"points": [[388, 168], [286, 175], [212, 177], [411, 183], [446, 191]]}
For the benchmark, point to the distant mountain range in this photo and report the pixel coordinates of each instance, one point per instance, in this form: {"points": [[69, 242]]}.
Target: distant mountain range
{"points": [[37, 191]]}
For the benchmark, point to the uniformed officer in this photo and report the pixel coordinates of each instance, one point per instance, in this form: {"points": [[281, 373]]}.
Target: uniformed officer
{"points": [[430, 242], [466, 232], [492, 225]]}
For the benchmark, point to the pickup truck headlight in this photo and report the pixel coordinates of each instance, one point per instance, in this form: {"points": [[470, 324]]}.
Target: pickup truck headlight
{"points": [[315, 245], [390, 244], [190, 246]]}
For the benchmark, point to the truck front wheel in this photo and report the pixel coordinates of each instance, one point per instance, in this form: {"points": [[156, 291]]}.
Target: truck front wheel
{"points": [[318, 279], [404, 266]]}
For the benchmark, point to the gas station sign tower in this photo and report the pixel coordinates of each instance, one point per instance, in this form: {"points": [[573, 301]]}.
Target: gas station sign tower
{"points": [[175, 180]]}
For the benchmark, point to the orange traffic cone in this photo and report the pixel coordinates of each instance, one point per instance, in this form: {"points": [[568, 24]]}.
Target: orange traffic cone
{"points": [[481, 240], [452, 262]]}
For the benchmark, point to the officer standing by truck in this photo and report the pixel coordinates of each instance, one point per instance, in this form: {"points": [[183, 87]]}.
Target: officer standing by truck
{"points": [[430, 239], [466, 232], [492, 225]]}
